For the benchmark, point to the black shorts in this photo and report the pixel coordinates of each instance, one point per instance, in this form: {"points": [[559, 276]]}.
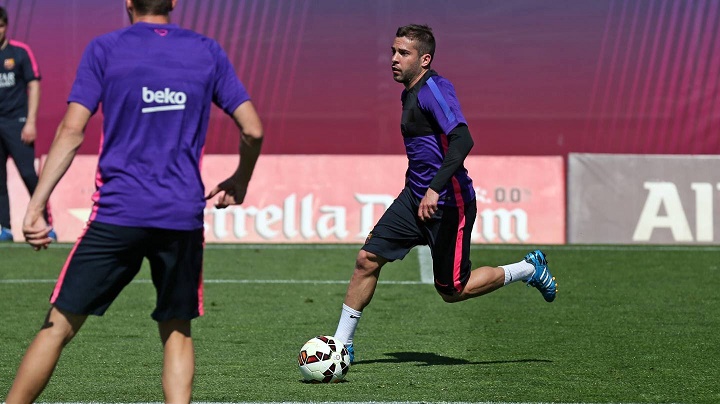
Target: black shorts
{"points": [[447, 233], [107, 257]]}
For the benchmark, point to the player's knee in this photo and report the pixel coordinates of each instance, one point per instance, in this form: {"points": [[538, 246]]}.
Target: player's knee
{"points": [[61, 326], [367, 263], [62, 334], [454, 298]]}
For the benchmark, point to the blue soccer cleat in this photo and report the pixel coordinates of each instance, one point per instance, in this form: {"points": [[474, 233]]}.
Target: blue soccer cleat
{"points": [[5, 234], [542, 279], [351, 352]]}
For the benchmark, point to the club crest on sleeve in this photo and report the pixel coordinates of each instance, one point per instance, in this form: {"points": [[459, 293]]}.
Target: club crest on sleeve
{"points": [[369, 236]]}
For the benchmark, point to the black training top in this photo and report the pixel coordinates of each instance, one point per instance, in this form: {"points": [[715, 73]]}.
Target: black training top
{"points": [[18, 68]]}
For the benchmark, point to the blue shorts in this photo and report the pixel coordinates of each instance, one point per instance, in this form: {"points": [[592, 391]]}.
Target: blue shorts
{"points": [[107, 257], [447, 234]]}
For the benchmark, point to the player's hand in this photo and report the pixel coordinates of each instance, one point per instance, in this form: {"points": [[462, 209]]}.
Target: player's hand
{"points": [[28, 134], [428, 205], [231, 193], [36, 230]]}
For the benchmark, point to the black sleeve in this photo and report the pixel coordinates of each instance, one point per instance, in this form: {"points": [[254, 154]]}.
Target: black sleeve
{"points": [[459, 145], [28, 70]]}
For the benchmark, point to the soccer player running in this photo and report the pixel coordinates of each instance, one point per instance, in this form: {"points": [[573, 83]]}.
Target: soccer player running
{"points": [[437, 207], [19, 101], [156, 83]]}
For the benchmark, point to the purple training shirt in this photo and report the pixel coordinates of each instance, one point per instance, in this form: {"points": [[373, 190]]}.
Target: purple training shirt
{"points": [[431, 110], [156, 84]]}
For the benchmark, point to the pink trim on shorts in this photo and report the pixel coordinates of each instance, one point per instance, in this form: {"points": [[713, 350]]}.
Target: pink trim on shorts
{"points": [[460, 232], [61, 278], [201, 306], [460, 202], [93, 214]]}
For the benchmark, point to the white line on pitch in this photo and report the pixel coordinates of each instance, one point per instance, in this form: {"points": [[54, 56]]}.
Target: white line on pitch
{"points": [[235, 281], [426, 269], [559, 247], [343, 402]]}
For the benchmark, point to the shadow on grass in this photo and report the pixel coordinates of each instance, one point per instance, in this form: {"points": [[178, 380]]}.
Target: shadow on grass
{"points": [[431, 359]]}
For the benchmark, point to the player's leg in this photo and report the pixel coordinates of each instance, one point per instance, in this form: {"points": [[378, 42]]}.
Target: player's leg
{"points": [[483, 280], [103, 261], [364, 280], [42, 355], [24, 157], [451, 241], [176, 267], [394, 235], [5, 234], [178, 360], [532, 270], [359, 294]]}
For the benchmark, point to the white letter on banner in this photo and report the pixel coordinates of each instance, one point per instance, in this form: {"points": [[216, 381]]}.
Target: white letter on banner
{"points": [[265, 218], [218, 222], [334, 215], [367, 212], [505, 223], [239, 215], [703, 211], [662, 194], [289, 229], [306, 217]]}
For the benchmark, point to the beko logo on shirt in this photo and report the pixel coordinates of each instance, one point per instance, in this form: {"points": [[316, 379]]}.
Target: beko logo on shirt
{"points": [[169, 100]]}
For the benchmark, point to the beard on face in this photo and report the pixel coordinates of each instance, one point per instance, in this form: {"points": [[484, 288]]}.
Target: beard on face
{"points": [[406, 76]]}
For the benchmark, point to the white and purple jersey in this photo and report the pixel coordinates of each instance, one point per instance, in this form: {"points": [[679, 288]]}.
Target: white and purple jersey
{"points": [[431, 110], [156, 84]]}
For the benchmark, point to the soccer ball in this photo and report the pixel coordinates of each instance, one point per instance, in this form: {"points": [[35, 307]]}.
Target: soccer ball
{"points": [[323, 359]]}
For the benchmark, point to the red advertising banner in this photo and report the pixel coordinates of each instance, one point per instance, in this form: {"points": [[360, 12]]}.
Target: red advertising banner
{"points": [[338, 199]]}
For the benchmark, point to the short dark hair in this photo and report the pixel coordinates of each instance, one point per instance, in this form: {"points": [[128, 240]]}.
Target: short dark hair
{"points": [[3, 15], [152, 7], [422, 34]]}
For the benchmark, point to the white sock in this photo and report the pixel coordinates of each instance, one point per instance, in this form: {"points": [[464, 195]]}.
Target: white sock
{"points": [[520, 271], [349, 318]]}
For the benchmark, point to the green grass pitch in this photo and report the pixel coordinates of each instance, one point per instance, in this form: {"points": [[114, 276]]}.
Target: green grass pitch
{"points": [[630, 325]]}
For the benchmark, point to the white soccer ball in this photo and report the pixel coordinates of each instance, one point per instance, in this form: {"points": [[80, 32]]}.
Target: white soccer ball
{"points": [[323, 359]]}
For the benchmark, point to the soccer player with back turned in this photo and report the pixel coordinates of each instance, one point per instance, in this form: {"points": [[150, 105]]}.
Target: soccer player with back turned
{"points": [[155, 83], [437, 207]]}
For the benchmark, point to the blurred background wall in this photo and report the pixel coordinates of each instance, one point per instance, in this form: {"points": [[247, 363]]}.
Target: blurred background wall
{"points": [[534, 77]]}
